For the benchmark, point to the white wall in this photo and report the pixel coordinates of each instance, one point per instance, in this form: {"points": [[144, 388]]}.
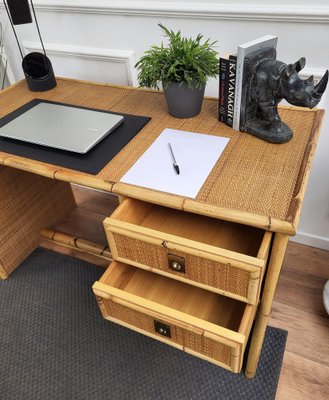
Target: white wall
{"points": [[102, 39]]}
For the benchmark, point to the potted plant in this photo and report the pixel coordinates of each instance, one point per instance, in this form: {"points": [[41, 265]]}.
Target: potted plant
{"points": [[183, 68]]}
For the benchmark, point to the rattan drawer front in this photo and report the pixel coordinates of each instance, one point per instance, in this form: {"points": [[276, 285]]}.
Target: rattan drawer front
{"points": [[188, 340], [225, 277], [199, 322], [224, 259]]}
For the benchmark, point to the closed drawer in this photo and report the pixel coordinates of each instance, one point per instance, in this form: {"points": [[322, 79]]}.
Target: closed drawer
{"points": [[202, 323], [216, 255]]}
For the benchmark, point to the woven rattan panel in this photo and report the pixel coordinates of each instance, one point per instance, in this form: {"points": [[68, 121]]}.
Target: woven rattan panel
{"points": [[183, 337], [208, 272], [208, 347], [258, 175], [137, 319], [252, 175]]}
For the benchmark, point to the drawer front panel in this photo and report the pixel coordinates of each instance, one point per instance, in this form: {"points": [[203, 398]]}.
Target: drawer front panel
{"points": [[226, 278], [210, 348]]}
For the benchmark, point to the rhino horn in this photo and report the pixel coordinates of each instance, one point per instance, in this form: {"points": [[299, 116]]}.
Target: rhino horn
{"points": [[321, 86]]}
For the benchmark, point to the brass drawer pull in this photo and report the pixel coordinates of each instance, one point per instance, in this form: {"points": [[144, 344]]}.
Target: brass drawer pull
{"points": [[162, 328], [176, 263], [176, 266]]}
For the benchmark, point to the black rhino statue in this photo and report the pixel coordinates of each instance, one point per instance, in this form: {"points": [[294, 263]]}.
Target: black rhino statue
{"points": [[266, 82]]}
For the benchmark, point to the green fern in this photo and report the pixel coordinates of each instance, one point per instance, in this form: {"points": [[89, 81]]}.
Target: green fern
{"points": [[184, 60]]}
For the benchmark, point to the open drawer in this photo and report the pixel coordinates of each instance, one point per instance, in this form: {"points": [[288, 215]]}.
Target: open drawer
{"points": [[216, 255], [202, 323]]}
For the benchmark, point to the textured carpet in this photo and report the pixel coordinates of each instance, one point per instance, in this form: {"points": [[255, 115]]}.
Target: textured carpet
{"points": [[54, 345]]}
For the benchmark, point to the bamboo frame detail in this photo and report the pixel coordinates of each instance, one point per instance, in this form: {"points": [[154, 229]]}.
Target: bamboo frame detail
{"points": [[278, 251], [76, 243]]}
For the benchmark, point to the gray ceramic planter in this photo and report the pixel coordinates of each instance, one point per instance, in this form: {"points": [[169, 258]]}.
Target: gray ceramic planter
{"points": [[182, 101]]}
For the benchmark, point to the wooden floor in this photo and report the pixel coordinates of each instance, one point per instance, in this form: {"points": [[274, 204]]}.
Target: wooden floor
{"points": [[297, 307]]}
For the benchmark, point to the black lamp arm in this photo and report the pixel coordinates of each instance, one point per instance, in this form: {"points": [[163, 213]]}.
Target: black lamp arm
{"points": [[12, 25], [36, 22]]}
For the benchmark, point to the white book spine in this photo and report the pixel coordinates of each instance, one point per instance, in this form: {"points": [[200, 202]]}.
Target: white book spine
{"points": [[243, 51]]}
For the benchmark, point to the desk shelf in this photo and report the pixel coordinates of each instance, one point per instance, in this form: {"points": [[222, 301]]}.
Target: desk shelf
{"points": [[81, 233]]}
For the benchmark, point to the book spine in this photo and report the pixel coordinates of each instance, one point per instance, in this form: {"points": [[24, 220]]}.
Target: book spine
{"points": [[231, 90], [223, 81], [244, 91], [237, 94]]}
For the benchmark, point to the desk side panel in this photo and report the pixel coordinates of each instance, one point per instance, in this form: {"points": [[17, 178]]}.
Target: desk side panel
{"points": [[28, 203]]}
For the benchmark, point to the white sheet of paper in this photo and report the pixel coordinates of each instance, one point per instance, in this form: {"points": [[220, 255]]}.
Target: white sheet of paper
{"points": [[195, 153]]}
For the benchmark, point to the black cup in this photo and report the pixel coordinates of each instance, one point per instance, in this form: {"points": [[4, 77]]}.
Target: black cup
{"points": [[38, 72]]}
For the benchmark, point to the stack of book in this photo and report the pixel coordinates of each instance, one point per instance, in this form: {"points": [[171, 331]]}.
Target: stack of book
{"points": [[231, 79]]}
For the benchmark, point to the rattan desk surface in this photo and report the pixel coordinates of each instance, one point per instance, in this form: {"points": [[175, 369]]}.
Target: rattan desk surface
{"points": [[253, 182]]}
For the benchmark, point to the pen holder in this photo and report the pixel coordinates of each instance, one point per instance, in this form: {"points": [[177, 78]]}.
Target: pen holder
{"points": [[38, 72]]}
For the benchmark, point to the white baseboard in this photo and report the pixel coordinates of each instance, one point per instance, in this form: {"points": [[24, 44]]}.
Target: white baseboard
{"points": [[308, 239]]}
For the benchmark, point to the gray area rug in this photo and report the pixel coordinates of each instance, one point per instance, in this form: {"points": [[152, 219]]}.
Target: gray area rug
{"points": [[54, 345]]}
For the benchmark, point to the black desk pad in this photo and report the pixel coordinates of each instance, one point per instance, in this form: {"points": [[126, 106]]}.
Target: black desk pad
{"points": [[91, 162]]}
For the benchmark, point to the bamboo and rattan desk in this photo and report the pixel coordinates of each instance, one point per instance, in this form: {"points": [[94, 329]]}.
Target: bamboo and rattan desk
{"points": [[254, 183]]}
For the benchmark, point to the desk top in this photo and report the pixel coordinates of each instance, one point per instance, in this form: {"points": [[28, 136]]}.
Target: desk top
{"points": [[254, 182]]}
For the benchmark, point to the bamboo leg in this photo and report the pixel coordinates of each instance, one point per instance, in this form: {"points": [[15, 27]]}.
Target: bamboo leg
{"points": [[28, 203], [274, 268]]}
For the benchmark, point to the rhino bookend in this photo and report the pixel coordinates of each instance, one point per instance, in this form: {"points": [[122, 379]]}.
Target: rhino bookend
{"points": [[266, 81]]}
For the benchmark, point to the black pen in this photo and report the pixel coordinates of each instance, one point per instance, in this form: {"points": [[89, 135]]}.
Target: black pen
{"points": [[176, 167]]}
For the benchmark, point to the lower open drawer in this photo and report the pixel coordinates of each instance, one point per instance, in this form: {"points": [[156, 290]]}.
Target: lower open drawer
{"points": [[202, 323]]}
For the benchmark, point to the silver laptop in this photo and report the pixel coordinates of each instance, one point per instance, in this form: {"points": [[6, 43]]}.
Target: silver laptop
{"points": [[63, 127]]}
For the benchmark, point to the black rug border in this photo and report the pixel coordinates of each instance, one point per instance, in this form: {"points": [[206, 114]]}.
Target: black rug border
{"points": [[243, 384]]}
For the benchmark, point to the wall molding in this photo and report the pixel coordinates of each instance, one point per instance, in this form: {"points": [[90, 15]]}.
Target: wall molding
{"points": [[125, 57], [180, 9]]}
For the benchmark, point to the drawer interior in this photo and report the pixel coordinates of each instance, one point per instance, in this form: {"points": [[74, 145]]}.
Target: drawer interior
{"points": [[191, 300], [231, 236]]}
